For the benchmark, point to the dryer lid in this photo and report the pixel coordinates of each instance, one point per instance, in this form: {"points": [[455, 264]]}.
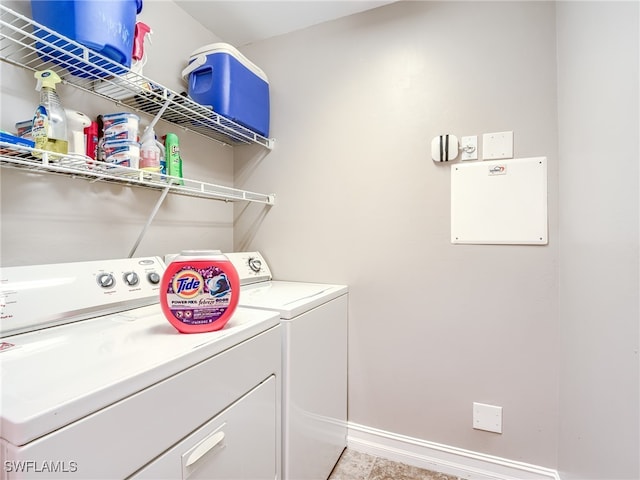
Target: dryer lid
{"points": [[289, 298]]}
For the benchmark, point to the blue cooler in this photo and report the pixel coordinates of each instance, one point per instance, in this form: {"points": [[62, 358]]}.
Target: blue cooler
{"points": [[221, 77], [104, 26]]}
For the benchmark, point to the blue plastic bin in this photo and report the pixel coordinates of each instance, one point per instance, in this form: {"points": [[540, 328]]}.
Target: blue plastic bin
{"points": [[221, 77], [104, 26]]}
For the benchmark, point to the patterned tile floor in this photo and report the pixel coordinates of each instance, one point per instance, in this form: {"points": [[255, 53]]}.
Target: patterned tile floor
{"points": [[361, 466]]}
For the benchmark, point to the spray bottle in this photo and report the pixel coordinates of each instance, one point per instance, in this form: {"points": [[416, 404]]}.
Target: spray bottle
{"points": [[142, 31], [49, 121]]}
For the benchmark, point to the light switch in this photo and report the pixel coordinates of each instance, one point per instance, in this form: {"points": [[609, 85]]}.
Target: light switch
{"points": [[497, 145], [469, 147]]}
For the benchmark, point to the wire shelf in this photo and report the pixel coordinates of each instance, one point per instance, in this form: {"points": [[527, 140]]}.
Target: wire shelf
{"points": [[28, 44], [80, 166]]}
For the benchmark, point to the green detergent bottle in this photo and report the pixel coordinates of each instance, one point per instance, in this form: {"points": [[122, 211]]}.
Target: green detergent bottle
{"points": [[49, 129], [173, 159]]}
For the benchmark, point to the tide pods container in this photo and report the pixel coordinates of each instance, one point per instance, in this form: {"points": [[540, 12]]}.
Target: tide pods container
{"points": [[221, 77], [199, 291]]}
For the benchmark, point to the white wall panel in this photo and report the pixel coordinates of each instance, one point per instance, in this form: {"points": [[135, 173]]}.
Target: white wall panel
{"points": [[434, 327]]}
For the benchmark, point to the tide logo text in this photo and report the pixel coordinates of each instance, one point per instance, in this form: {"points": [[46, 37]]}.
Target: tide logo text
{"points": [[187, 284]]}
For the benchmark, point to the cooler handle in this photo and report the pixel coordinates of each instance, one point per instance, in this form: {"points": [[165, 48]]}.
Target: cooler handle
{"points": [[197, 63]]}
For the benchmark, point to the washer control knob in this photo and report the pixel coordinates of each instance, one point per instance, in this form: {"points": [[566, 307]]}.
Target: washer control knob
{"points": [[131, 279], [255, 264], [106, 280], [153, 278]]}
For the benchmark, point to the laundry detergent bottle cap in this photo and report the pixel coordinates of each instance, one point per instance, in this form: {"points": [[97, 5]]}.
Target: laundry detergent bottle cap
{"points": [[199, 291]]}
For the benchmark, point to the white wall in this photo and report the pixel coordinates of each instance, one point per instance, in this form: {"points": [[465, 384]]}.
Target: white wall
{"points": [[598, 82], [433, 326], [48, 219]]}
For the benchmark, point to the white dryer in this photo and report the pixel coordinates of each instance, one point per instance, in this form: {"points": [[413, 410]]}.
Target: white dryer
{"points": [[313, 317]]}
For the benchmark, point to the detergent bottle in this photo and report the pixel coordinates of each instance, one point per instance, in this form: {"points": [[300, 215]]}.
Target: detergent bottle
{"points": [[91, 137], [199, 291], [150, 151], [49, 130], [173, 158]]}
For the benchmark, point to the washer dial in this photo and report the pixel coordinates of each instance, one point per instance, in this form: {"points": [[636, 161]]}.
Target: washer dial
{"points": [[153, 278], [131, 278], [255, 264], [106, 280]]}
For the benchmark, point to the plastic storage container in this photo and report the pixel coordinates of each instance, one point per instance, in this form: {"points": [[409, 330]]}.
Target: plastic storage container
{"points": [[17, 141], [199, 291], [105, 26], [120, 126], [123, 153], [221, 77]]}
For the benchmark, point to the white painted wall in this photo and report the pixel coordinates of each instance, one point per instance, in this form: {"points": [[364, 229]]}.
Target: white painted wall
{"points": [[48, 219], [433, 326], [598, 82]]}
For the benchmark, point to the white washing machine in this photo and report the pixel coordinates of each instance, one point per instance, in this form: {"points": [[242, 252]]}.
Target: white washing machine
{"points": [[313, 317], [96, 383]]}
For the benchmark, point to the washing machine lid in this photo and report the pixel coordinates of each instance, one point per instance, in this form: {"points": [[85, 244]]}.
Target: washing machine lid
{"points": [[58, 375], [289, 298]]}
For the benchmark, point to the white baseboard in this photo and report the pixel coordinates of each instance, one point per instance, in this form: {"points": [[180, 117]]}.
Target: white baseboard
{"points": [[441, 458]]}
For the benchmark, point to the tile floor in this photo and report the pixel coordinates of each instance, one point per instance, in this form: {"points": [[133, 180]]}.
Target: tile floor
{"points": [[361, 466]]}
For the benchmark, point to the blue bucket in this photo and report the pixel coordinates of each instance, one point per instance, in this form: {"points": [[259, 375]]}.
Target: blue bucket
{"points": [[104, 26]]}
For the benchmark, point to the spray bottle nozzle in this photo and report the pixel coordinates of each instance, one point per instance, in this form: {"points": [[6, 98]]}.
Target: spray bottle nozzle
{"points": [[141, 31], [46, 78]]}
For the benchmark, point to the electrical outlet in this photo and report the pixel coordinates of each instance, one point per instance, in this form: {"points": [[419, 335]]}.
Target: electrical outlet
{"points": [[487, 417]]}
